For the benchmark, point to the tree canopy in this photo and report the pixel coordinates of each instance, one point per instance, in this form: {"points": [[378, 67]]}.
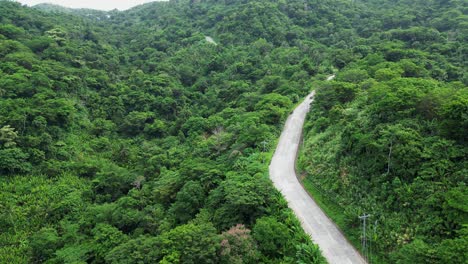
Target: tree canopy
{"points": [[127, 137]]}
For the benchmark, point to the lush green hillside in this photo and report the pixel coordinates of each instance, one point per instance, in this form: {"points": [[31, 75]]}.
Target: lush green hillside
{"points": [[133, 140], [126, 137], [388, 137]]}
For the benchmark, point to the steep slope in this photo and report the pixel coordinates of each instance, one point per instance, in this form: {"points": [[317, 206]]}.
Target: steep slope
{"points": [[118, 146], [130, 138], [380, 141]]}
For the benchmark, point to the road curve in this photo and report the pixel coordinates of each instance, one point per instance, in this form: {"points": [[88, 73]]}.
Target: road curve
{"points": [[335, 248]]}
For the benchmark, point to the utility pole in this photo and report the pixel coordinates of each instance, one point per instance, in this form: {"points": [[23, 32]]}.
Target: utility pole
{"points": [[372, 238], [264, 143], [365, 251]]}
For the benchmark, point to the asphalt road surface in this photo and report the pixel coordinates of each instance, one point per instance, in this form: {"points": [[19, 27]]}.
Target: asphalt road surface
{"points": [[335, 248]]}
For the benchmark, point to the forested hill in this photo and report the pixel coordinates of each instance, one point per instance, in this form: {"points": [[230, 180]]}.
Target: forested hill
{"points": [[126, 137], [388, 137]]}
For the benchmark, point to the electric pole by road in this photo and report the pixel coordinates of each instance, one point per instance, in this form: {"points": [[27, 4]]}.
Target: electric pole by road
{"points": [[365, 249], [264, 143]]}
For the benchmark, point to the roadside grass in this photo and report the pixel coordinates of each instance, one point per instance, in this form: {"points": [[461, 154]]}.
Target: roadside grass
{"points": [[336, 213], [331, 209]]}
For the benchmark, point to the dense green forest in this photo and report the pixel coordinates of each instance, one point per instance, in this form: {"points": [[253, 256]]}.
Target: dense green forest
{"points": [[388, 137], [127, 137]]}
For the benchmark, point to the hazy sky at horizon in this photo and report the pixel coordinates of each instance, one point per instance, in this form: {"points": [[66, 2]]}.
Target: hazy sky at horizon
{"points": [[93, 4]]}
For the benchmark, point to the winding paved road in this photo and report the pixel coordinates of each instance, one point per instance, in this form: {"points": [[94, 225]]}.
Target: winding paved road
{"points": [[335, 248]]}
